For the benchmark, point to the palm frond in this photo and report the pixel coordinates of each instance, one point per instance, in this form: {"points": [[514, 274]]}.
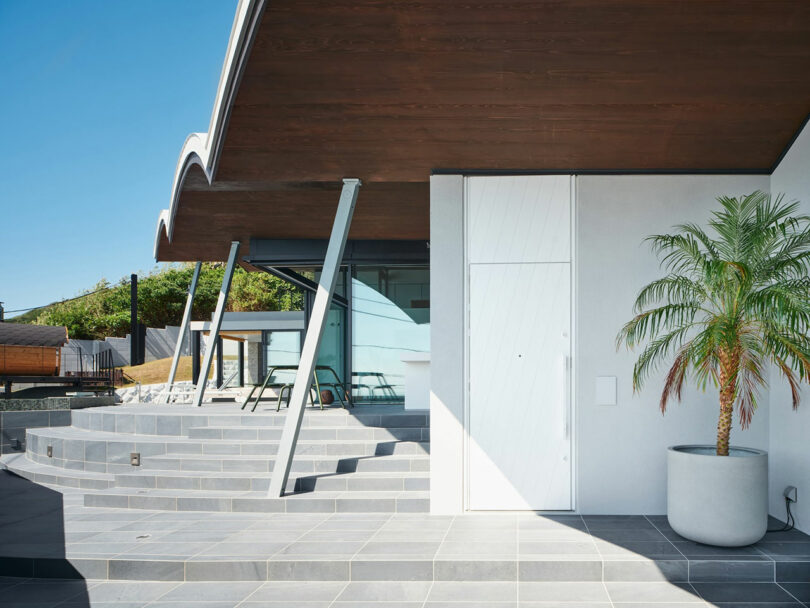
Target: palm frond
{"points": [[673, 386], [730, 303], [648, 324], [673, 289]]}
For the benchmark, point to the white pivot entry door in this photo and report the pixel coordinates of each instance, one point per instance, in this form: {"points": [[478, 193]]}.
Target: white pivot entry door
{"points": [[519, 287]]}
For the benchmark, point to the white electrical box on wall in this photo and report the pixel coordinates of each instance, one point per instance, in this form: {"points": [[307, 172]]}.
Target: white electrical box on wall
{"points": [[606, 390]]}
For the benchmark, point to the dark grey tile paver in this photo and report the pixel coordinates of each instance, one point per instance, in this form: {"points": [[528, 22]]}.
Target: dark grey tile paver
{"points": [[43, 592], [743, 592], [800, 591]]}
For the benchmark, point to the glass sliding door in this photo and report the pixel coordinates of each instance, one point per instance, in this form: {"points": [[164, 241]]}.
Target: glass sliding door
{"points": [[281, 348], [333, 344], [390, 318]]}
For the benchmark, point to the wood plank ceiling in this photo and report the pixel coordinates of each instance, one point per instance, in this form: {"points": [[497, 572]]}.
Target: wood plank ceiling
{"points": [[390, 90]]}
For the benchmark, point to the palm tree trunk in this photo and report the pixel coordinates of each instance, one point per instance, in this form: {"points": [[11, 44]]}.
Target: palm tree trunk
{"points": [[728, 384]]}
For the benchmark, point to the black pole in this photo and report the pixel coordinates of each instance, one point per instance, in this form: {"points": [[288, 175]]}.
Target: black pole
{"points": [[134, 336], [141, 343], [220, 363], [240, 355], [195, 356]]}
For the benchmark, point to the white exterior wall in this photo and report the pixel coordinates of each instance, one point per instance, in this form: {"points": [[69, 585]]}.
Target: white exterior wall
{"points": [[620, 451], [446, 343], [790, 431]]}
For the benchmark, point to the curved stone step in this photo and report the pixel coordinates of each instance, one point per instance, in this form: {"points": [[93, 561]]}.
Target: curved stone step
{"points": [[176, 420], [302, 463], [212, 481], [45, 474], [257, 482], [101, 451], [239, 433]]}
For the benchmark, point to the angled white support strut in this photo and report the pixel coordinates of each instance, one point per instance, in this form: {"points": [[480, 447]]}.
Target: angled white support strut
{"points": [[213, 333], [312, 341], [192, 288]]}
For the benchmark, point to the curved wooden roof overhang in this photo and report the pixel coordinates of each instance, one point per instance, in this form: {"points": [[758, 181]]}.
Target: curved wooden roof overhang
{"points": [[313, 91]]}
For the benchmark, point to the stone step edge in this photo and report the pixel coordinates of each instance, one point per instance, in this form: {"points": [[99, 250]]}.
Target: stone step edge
{"points": [[20, 465], [88, 480], [111, 437], [268, 475], [308, 502], [296, 457], [360, 569]]}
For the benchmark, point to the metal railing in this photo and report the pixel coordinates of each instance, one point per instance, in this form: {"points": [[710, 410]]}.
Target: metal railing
{"points": [[98, 366]]}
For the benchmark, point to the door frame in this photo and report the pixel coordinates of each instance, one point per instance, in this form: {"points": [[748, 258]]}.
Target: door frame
{"points": [[572, 409]]}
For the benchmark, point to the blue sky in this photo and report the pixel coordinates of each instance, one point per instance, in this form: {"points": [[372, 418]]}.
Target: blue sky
{"points": [[96, 99]]}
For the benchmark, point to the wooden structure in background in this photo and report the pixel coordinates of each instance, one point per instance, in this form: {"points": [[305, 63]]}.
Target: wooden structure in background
{"points": [[30, 350], [29, 360]]}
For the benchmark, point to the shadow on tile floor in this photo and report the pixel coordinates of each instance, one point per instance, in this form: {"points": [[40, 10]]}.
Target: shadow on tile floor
{"points": [[773, 573], [32, 544]]}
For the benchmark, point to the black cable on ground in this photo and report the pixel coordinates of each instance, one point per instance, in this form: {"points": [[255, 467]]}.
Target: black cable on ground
{"points": [[790, 521]]}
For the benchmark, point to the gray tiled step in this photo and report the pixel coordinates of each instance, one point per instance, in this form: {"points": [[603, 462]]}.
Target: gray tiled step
{"points": [[203, 480], [313, 434], [302, 463], [97, 446], [252, 502], [562, 575], [22, 466], [245, 482], [176, 420]]}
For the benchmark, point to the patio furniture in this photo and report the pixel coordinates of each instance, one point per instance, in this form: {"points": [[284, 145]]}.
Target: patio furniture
{"points": [[336, 384], [382, 384]]}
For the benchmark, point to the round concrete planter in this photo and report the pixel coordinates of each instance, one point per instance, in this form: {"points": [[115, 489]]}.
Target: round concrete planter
{"points": [[717, 500]]}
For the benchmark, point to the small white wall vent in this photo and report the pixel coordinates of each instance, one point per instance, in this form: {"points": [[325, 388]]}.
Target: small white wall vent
{"points": [[606, 390]]}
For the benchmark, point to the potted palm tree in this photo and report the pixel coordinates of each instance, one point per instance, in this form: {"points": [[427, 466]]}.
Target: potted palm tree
{"points": [[735, 300]]}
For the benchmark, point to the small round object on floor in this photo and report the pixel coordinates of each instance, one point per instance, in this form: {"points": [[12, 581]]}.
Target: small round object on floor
{"points": [[327, 398]]}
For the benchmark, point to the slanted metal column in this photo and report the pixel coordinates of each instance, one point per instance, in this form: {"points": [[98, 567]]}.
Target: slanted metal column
{"points": [[312, 341], [213, 334], [192, 288]]}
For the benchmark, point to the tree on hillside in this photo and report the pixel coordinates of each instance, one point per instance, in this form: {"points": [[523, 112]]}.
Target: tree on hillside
{"points": [[162, 297]]}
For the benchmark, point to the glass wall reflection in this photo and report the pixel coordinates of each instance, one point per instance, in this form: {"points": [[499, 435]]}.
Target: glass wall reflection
{"points": [[390, 318], [281, 348]]}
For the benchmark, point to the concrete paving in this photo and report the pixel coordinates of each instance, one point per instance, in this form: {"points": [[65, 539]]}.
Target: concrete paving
{"points": [[19, 592], [189, 537], [49, 533]]}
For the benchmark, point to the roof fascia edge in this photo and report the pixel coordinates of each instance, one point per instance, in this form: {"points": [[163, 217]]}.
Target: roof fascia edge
{"points": [[203, 149]]}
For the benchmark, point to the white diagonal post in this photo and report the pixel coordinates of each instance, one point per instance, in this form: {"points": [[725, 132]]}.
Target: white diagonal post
{"points": [[192, 288], [213, 332], [312, 341]]}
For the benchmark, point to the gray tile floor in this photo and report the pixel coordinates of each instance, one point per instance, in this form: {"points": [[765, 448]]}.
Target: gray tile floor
{"points": [[82, 594], [501, 559], [109, 533]]}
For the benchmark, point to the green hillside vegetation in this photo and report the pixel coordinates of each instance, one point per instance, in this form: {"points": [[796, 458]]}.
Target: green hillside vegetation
{"points": [[27, 317], [161, 298]]}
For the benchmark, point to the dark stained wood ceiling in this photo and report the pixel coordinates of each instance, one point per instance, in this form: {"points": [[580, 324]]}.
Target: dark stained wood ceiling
{"points": [[388, 91]]}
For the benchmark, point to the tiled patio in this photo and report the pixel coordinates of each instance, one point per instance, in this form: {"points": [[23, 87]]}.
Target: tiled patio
{"points": [[81, 594], [190, 536], [394, 559]]}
